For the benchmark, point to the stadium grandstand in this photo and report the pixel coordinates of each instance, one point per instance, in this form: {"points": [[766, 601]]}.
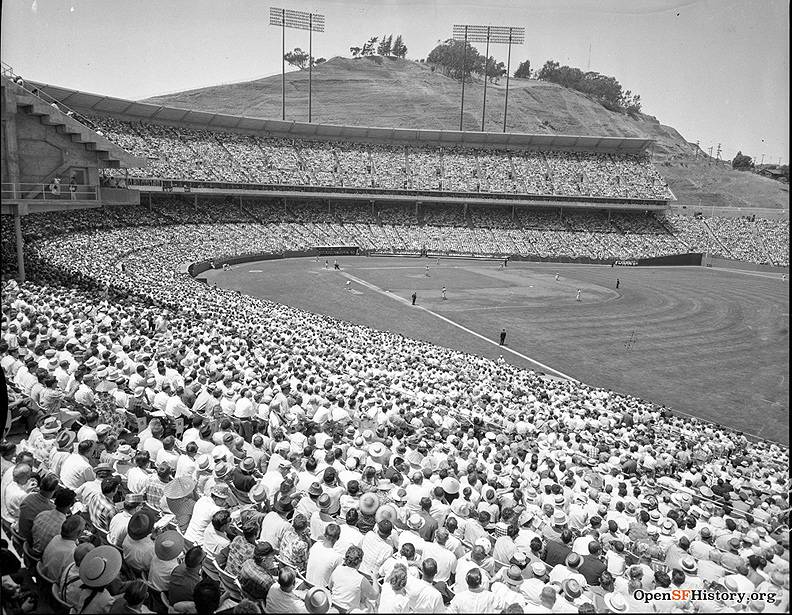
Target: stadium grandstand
{"points": [[177, 447]]}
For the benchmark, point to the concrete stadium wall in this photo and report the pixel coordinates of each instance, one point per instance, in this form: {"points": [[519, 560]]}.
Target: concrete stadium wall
{"points": [[34, 152]]}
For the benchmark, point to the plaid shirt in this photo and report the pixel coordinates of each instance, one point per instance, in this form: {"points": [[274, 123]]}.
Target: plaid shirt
{"points": [[239, 551], [138, 406], [101, 511], [155, 489], [255, 581], [46, 526]]}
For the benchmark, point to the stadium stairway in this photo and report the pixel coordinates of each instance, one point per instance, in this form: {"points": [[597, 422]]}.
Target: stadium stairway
{"points": [[30, 104], [726, 252], [761, 243]]}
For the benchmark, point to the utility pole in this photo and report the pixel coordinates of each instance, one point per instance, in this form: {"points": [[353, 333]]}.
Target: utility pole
{"points": [[762, 159]]}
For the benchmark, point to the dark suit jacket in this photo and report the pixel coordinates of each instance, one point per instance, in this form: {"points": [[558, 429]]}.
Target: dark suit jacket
{"points": [[556, 553]]}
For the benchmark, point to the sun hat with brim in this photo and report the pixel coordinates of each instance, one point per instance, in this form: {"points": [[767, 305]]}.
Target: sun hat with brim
{"points": [[51, 426], [258, 492], [180, 487], [616, 603], [220, 491], [538, 569], [139, 526], [559, 518], [513, 576], [168, 545], [571, 588], [384, 485], [369, 503], [415, 521], [376, 450], [688, 565], [100, 566], [317, 600], [450, 485], [65, 439], [668, 527], [222, 469], [386, 511], [315, 489]]}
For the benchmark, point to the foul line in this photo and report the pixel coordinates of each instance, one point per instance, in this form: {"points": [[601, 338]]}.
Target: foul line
{"points": [[458, 326]]}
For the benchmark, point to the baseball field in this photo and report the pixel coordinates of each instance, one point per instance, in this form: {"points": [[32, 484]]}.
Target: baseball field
{"points": [[713, 343]]}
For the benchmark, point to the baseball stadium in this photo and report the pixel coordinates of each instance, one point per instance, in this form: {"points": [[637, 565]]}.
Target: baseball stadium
{"points": [[374, 357]]}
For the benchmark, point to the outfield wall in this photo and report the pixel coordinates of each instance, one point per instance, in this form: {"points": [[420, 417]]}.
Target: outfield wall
{"points": [[674, 260]]}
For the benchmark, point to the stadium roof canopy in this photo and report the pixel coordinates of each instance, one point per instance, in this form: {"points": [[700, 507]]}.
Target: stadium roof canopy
{"points": [[86, 101]]}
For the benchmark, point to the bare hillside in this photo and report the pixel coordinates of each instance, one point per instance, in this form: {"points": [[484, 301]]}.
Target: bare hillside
{"points": [[389, 92]]}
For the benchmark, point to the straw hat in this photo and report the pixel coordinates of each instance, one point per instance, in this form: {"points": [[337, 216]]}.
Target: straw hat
{"points": [[616, 603], [369, 503], [100, 566], [168, 545], [180, 487]]}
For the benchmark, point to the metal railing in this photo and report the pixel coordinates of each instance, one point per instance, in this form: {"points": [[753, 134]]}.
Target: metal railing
{"points": [[8, 71], [49, 192]]}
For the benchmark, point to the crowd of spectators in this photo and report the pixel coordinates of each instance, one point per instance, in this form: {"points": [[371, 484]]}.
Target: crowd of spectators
{"points": [[190, 449], [184, 153], [755, 240], [266, 225]]}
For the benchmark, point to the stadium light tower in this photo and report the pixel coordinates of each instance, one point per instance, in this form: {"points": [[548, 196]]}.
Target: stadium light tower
{"points": [[509, 35], [299, 20]]}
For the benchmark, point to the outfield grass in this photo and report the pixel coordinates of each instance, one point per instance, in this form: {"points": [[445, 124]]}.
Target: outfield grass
{"points": [[708, 342]]}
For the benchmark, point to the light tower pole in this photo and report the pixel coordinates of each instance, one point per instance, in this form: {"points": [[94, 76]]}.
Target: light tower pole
{"points": [[298, 20], [508, 35]]}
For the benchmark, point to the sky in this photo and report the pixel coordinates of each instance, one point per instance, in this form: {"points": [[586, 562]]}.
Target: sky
{"points": [[716, 70]]}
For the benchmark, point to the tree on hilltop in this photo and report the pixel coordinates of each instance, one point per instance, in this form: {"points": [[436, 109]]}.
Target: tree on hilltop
{"points": [[450, 55], [386, 43], [299, 58], [355, 51], [399, 49], [523, 70], [369, 47], [742, 162]]}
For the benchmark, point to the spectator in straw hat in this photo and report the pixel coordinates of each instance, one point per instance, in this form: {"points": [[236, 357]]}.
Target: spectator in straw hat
{"points": [[179, 496], [167, 548], [98, 569], [317, 600]]}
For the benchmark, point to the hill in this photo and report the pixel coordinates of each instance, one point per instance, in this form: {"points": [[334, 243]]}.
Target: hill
{"points": [[390, 92]]}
